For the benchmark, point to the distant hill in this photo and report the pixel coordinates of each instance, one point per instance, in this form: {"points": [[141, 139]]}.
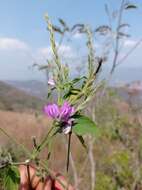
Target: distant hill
{"points": [[32, 87], [131, 93], [14, 99], [35, 92]]}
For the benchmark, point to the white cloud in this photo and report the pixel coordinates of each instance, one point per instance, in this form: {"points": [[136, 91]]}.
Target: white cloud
{"points": [[129, 43], [78, 36], [65, 51], [12, 44], [16, 60]]}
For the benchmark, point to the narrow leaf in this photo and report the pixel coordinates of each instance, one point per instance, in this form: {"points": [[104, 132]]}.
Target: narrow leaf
{"points": [[62, 22], [121, 35], [82, 141], [103, 30], [78, 79], [57, 29], [12, 178], [130, 6], [123, 26], [78, 27]]}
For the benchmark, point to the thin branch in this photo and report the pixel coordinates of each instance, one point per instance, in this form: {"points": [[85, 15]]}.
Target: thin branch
{"points": [[74, 172], [84, 166], [117, 38], [75, 175], [129, 52], [92, 162], [68, 152]]}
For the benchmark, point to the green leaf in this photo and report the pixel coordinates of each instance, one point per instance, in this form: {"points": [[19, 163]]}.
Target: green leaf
{"points": [[84, 125], [130, 6], [82, 141], [78, 79], [103, 30], [71, 92], [57, 29], [62, 22], [12, 178]]}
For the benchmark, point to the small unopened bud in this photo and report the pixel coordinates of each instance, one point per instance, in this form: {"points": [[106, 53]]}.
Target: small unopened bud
{"points": [[66, 130], [27, 161], [51, 82]]}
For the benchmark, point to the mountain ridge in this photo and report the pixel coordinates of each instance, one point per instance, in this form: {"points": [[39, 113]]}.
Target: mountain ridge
{"points": [[14, 99]]}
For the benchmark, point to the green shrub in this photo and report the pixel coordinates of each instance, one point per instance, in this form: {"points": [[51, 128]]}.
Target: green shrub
{"points": [[104, 182]]}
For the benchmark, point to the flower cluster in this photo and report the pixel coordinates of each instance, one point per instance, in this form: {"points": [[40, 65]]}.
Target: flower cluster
{"points": [[63, 114]]}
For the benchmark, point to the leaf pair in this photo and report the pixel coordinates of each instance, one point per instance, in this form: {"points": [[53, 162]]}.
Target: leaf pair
{"points": [[11, 178]]}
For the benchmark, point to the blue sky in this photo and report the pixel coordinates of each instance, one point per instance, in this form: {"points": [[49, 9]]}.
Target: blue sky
{"points": [[23, 34]]}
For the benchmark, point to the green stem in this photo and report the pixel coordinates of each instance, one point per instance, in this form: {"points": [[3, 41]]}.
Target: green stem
{"points": [[44, 142], [68, 153]]}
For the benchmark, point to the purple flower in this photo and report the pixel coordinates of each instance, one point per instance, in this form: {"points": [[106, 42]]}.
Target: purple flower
{"points": [[62, 113], [52, 110], [66, 111]]}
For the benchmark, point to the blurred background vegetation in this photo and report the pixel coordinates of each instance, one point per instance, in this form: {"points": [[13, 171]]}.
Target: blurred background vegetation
{"points": [[117, 150]]}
